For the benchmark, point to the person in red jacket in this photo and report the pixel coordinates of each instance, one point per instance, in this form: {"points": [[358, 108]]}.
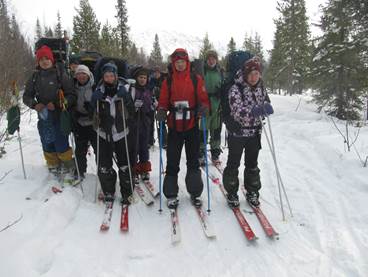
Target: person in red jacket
{"points": [[184, 96]]}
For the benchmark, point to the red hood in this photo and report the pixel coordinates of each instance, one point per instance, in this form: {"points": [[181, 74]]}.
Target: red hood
{"points": [[175, 57]]}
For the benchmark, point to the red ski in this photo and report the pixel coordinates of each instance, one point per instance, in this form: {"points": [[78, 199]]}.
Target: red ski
{"points": [[105, 226], [244, 225], [267, 227], [124, 223]]}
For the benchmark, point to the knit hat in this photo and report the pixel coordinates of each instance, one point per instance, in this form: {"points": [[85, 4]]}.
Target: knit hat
{"points": [[139, 70], [179, 54], [110, 67], [211, 53], [253, 64], [82, 69], [44, 51]]}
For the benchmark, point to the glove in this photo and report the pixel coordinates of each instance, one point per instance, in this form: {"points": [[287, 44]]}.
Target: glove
{"points": [[268, 108], [50, 106], [39, 107], [138, 104], [203, 110], [161, 115]]}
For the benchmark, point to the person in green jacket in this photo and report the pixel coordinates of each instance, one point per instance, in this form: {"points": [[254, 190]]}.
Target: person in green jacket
{"points": [[213, 78]]}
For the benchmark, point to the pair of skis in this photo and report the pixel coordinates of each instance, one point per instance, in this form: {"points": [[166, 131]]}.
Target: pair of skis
{"points": [[207, 227], [147, 198], [244, 225], [124, 223]]}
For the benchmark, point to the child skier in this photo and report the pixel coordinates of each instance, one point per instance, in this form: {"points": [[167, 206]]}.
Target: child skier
{"points": [[141, 123], [112, 105], [248, 103]]}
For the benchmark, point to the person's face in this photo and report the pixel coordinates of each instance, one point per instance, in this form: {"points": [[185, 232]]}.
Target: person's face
{"points": [[82, 78], [157, 74], [109, 78], [73, 67], [211, 61], [180, 65], [142, 80], [45, 63], [253, 77]]}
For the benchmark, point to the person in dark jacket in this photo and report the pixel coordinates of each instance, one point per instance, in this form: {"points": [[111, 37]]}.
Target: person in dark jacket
{"points": [[248, 102], [113, 106], [83, 130], [155, 85], [141, 123], [184, 96], [42, 93]]}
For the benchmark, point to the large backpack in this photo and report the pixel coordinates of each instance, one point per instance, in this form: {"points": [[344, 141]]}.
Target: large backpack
{"points": [[58, 46], [89, 59], [235, 62], [120, 63]]}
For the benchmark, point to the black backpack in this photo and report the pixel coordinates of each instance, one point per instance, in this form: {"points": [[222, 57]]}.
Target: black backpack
{"points": [[235, 62], [120, 63], [58, 46]]}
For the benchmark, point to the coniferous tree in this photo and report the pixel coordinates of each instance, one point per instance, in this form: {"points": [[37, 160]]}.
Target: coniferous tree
{"points": [[86, 28], [38, 30], [142, 57], [293, 40], [123, 28], [48, 32], [58, 31], [16, 58], [338, 69], [231, 47], [254, 45], [109, 44], [133, 54], [155, 58], [207, 45]]}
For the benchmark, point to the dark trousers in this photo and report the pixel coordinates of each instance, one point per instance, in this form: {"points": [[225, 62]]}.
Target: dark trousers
{"points": [[108, 152], [151, 138], [139, 136], [175, 143], [237, 145], [215, 141], [84, 137]]}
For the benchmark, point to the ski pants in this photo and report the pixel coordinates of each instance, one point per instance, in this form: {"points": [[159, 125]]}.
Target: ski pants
{"points": [[84, 137], [109, 151], [250, 146]]}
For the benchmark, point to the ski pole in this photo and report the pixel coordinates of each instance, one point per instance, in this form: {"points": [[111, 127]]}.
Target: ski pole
{"points": [[206, 162], [127, 150], [98, 148], [21, 154], [76, 161], [276, 165], [161, 165]]}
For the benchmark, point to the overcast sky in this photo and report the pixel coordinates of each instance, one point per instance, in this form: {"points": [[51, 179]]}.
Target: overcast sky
{"points": [[220, 18]]}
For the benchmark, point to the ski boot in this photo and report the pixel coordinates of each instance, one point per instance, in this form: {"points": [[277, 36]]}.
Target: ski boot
{"points": [[109, 198], [196, 201], [232, 200], [145, 176], [172, 203], [253, 198]]}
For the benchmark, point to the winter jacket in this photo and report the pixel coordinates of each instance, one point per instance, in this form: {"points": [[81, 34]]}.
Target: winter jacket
{"points": [[242, 99], [107, 104], [82, 112], [182, 94], [213, 79], [145, 95], [43, 87]]}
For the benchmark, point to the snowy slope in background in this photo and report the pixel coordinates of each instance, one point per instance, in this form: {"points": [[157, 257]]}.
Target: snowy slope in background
{"points": [[327, 187], [170, 40]]}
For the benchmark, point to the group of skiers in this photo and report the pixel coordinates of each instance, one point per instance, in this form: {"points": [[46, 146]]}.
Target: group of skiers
{"points": [[117, 117]]}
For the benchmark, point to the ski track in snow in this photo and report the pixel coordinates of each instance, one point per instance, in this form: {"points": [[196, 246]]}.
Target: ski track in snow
{"points": [[327, 189]]}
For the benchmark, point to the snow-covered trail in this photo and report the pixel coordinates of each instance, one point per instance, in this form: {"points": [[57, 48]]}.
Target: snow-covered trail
{"points": [[327, 236]]}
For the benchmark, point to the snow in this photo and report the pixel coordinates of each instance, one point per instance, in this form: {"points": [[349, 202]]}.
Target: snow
{"points": [[327, 188]]}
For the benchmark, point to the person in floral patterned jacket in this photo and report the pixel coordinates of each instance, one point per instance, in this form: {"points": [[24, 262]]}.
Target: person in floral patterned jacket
{"points": [[249, 103]]}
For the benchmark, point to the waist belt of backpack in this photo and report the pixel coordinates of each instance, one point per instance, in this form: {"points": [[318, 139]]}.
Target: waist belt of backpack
{"points": [[173, 110]]}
